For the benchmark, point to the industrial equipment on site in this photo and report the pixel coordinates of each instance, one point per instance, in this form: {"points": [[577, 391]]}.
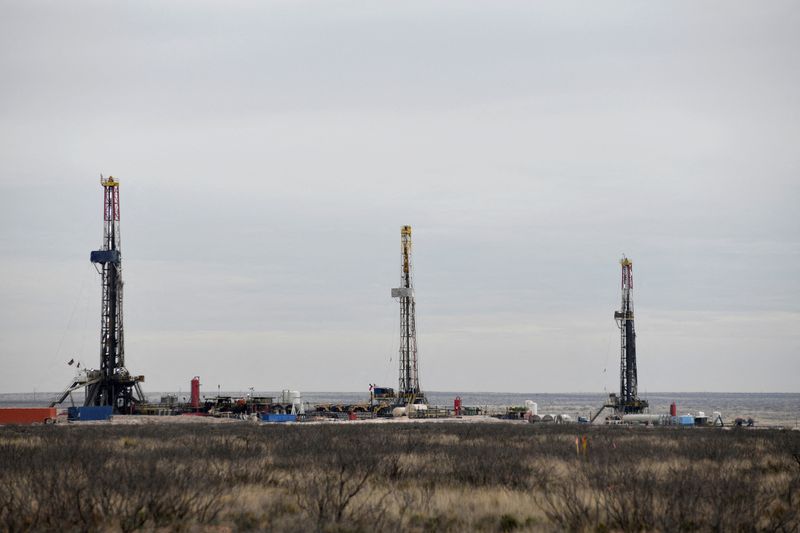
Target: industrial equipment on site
{"points": [[28, 415], [628, 401], [111, 385], [90, 412], [195, 392], [408, 391], [113, 390]]}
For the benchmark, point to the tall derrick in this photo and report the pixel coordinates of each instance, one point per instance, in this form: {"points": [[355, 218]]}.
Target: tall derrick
{"points": [[112, 384], [409, 390], [628, 400]]}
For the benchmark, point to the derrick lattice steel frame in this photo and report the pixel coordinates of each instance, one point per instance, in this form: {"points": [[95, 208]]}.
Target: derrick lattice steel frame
{"points": [[112, 384], [112, 338], [628, 401], [409, 389]]}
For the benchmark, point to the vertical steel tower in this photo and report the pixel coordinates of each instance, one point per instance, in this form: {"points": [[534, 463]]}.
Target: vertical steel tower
{"points": [[628, 401], [409, 390], [112, 384]]}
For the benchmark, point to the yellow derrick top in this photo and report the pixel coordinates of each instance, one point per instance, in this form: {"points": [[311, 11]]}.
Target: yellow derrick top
{"points": [[405, 230], [108, 182], [625, 261]]}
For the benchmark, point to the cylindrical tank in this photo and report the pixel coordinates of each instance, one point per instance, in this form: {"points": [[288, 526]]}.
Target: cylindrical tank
{"points": [[195, 397], [294, 398], [457, 406], [414, 407], [641, 419], [289, 396], [533, 407], [399, 411], [673, 409]]}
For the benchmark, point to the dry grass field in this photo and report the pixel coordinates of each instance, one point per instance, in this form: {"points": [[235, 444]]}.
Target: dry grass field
{"points": [[396, 477]]}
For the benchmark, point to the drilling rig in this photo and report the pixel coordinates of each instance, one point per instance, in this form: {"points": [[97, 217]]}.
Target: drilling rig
{"points": [[628, 400], [112, 384], [408, 391]]}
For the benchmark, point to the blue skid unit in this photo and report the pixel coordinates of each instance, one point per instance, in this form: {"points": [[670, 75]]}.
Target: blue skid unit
{"points": [[90, 412], [278, 418], [686, 420]]}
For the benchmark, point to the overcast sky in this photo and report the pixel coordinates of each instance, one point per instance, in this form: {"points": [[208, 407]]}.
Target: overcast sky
{"points": [[270, 151]]}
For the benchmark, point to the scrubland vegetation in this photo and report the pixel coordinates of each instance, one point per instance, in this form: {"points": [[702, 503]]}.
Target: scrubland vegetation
{"points": [[396, 477]]}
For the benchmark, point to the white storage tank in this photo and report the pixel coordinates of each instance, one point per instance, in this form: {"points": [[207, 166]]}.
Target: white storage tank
{"points": [[532, 407], [290, 396], [642, 419]]}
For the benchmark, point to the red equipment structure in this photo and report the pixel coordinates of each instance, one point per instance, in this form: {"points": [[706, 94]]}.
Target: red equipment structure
{"points": [[457, 406], [195, 387], [27, 415]]}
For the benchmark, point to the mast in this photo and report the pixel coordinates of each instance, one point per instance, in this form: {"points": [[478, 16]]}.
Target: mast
{"points": [[628, 401], [113, 385], [112, 352], [409, 379]]}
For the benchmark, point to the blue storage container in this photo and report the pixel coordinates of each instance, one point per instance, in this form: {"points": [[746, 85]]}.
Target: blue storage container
{"points": [[95, 412], [686, 420], [278, 418]]}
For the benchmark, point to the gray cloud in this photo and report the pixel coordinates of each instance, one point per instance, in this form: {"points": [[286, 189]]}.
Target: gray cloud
{"points": [[268, 154]]}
